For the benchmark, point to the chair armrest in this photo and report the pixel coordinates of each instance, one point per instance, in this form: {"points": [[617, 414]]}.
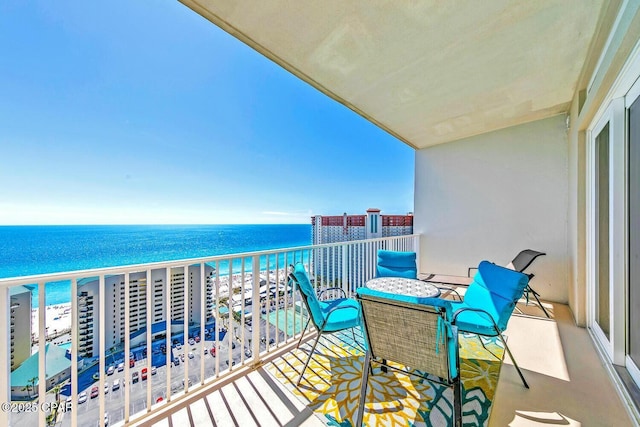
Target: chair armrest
{"points": [[333, 310], [450, 290], [476, 310], [333, 289], [469, 270]]}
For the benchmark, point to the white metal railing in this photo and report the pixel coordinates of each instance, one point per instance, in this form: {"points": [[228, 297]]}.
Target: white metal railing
{"points": [[235, 314]]}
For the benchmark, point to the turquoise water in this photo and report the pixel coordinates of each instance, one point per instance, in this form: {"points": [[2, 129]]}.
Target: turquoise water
{"points": [[29, 250]]}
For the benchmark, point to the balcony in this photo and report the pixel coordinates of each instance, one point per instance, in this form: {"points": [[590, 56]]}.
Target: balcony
{"points": [[241, 383]]}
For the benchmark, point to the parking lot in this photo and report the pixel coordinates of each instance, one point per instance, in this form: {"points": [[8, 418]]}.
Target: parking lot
{"points": [[88, 411]]}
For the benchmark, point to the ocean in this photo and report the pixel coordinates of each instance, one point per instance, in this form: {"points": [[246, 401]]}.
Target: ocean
{"points": [[30, 250]]}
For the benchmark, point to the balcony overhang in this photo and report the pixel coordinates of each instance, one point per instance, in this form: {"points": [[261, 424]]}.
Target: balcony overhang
{"points": [[427, 72]]}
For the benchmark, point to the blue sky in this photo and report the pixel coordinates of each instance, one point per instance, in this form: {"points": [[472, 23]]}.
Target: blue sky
{"points": [[143, 112]]}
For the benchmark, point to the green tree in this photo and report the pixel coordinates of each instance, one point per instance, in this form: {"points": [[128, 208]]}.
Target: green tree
{"points": [[52, 418], [30, 386]]}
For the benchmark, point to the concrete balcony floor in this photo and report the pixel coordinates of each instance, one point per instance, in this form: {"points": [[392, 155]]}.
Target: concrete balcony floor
{"points": [[569, 385]]}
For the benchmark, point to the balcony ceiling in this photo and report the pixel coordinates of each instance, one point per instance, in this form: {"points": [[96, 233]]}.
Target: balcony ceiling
{"points": [[429, 71]]}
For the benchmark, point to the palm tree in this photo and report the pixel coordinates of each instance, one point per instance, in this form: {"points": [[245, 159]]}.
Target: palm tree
{"points": [[113, 357], [30, 385], [52, 418]]}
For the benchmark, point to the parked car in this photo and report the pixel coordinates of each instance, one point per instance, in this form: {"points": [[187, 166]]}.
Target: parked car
{"points": [[132, 363], [197, 338], [144, 373], [213, 352], [116, 385], [94, 392], [191, 355], [153, 370], [192, 341], [120, 366], [178, 346], [106, 388], [106, 419], [135, 377], [111, 370], [206, 351], [82, 397], [176, 361]]}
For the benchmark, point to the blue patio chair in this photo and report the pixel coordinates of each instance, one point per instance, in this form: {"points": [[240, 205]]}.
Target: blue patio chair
{"points": [[402, 264], [414, 332], [489, 302], [396, 264], [327, 316]]}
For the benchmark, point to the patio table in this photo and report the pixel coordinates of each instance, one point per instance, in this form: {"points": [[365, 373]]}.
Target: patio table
{"points": [[403, 286]]}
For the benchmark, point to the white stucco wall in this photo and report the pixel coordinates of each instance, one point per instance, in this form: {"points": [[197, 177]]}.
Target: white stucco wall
{"points": [[492, 195]]}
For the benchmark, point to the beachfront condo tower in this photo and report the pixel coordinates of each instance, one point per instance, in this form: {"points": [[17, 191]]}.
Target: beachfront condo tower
{"points": [[114, 294], [20, 325], [343, 228]]}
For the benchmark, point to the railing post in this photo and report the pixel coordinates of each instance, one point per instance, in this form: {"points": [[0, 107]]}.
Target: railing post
{"points": [[5, 356], [415, 242], [255, 310], [344, 279]]}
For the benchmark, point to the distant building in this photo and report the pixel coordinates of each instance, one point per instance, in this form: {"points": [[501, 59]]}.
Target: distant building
{"points": [[20, 325], [344, 228], [24, 380], [89, 306]]}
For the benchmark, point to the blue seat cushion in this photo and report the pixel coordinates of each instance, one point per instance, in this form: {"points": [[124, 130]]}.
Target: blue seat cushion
{"points": [[342, 318], [396, 264], [309, 294], [469, 321], [494, 289], [347, 314]]}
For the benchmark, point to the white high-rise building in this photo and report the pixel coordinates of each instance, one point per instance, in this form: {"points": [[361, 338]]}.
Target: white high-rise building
{"points": [[114, 305], [345, 228], [20, 297]]}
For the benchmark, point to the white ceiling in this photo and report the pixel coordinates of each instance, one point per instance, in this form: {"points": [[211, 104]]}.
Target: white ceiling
{"points": [[428, 71]]}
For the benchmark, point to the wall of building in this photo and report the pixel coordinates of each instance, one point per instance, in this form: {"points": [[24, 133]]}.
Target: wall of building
{"points": [[612, 49], [20, 325], [115, 303], [492, 195]]}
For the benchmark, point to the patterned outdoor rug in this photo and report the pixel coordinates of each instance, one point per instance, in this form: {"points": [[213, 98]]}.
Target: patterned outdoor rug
{"points": [[331, 385]]}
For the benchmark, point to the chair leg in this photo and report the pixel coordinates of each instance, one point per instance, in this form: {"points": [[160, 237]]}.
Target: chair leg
{"points": [[513, 360], [457, 403], [363, 388], [485, 347], [309, 359], [535, 295], [303, 331]]}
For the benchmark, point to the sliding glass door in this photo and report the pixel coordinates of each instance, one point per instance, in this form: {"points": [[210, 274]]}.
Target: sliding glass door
{"points": [[633, 319], [602, 285]]}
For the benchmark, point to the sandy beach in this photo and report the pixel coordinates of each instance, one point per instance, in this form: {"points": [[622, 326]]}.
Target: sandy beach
{"points": [[58, 319]]}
